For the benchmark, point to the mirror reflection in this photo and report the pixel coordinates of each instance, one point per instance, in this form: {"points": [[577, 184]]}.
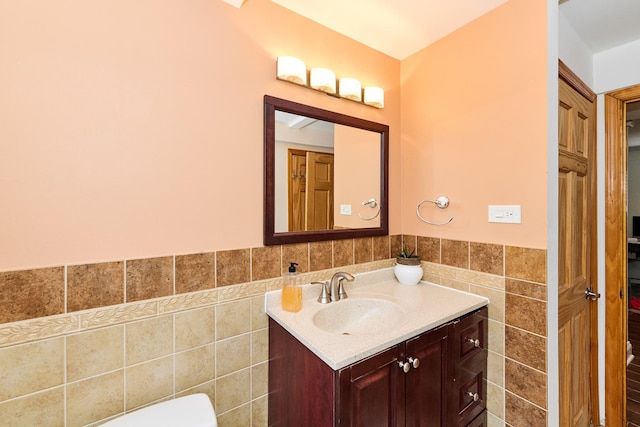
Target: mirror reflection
{"points": [[325, 174]]}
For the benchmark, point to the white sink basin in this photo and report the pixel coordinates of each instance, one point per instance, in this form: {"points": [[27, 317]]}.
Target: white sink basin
{"points": [[357, 316]]}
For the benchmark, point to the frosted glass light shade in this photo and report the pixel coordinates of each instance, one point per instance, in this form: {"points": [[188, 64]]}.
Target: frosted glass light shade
{"points": [[350, 88], [323, 79], [374, 96], [292, 70]]}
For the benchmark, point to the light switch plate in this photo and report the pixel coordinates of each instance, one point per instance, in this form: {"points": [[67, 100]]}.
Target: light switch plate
{"points": [[510, 214], [345, 209]]}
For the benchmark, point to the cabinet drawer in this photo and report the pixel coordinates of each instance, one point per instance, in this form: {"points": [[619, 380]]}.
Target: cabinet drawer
{"points": [[479, 421], [471, 395], [471, 336], [468, 393]]}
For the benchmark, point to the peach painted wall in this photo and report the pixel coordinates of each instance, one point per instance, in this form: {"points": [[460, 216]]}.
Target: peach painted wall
{"points": [[357, 176], [134, 129], [474, 114]]}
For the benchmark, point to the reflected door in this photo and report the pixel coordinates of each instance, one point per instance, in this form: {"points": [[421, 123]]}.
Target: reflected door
{"points": [[319, 192], [297, 189]]}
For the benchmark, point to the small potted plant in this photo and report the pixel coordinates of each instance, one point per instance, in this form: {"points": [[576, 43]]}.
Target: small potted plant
{"points": [[408, 268]]}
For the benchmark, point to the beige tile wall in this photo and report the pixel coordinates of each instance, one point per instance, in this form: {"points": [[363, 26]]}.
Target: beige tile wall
{"points": [[98, 372], [514, 280], [131, 333]]}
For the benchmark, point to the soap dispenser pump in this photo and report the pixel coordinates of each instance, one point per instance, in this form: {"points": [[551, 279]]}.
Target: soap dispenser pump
{"points": [[291, 290]]}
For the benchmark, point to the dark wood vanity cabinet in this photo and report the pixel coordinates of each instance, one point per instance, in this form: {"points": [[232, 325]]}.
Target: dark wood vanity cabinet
{"points": [[468, 389], [445, 387]]}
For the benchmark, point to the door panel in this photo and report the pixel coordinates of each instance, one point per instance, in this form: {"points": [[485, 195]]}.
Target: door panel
{"points": [[576, 222], [426, 384], [372, 391], [297, 189], [319, 209]]}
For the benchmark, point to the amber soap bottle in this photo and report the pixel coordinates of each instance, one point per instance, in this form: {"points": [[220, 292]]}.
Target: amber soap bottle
{"points": [[291, 290]]}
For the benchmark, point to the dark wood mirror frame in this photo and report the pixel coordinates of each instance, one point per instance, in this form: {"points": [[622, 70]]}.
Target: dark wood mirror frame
{"points": [[271, 237]]}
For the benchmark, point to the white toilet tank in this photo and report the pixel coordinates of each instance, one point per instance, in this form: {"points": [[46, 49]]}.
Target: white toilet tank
{"points": [[194, 410]]}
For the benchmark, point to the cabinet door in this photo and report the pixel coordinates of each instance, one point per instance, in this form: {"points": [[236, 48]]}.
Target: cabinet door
{"points": [[372, 391], [301, 386], [426, 383]]}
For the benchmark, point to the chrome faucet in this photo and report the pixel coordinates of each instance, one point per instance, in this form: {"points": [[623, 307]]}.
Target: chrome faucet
{"points": [[337, 288], [334, 290]]}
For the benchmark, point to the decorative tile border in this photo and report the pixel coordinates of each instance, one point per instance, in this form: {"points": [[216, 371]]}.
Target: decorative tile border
{"points": [[37, 329], [187, 301]]}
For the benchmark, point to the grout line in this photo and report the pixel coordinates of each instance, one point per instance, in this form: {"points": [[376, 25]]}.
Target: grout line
{"points": [[124, 281], [174, 348], [64, 375], [215, 270], [521, 398], [66, 291], [125, 332]]}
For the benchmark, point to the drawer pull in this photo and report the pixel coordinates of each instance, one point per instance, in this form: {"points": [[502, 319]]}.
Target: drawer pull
{"points": [[475, 396], [475, 342], [414, 362], [405, 366]]}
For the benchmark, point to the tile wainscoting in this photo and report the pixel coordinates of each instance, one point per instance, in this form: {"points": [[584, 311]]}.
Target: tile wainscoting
{"points": [[80, 344]]}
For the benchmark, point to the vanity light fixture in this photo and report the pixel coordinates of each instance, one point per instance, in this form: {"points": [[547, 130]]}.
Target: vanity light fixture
{"points": [[350, 88], [323, 79], [374, 96], [292, 69]]}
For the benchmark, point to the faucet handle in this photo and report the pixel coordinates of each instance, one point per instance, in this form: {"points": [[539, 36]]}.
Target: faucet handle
{"points": [[342, 294], [325, 294]]}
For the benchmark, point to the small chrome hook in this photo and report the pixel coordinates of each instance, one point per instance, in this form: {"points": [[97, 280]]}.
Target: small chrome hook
{"points": [[372, 203]]}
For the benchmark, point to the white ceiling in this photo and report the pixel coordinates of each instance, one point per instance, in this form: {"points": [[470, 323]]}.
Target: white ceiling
{"points": [[603, 24], [400, 28]]}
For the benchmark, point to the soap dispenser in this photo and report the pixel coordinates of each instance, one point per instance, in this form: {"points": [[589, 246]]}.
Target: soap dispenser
{"points": [[291, 290]]}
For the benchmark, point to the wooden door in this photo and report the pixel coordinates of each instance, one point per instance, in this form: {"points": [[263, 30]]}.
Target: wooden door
{"points": [[576, 255], [426, 385], [372, 391], [297, 173], [319, 205], [616, 254]]}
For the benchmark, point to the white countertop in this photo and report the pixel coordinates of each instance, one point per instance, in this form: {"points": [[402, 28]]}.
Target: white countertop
{"points": [[421, 307]]}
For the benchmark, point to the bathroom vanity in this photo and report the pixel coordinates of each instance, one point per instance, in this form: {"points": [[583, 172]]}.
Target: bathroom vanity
{"points": [[423, 366]]}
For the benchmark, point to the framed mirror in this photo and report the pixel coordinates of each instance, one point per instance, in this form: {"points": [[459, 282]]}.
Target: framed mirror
{"points": [[325, 174]]}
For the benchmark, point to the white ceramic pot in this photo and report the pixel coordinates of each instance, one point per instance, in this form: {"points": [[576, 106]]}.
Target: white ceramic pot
{"points": [[408, 274]]}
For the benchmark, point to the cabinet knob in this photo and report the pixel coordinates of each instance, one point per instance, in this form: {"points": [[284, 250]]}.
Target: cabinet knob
{"points": [[475, 396], [475, 342], [406, 367], [414, 362]]}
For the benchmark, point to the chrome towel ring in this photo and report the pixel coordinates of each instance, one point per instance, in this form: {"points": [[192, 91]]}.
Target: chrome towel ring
{"points": [[442, 202], [372, 203]]}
